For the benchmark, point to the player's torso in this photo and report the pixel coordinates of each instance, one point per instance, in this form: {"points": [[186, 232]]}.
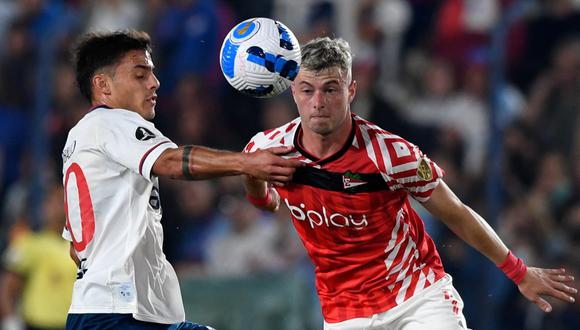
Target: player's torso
{"points": [[348, 220], [104, 197], [369, 246], [114, 220]]}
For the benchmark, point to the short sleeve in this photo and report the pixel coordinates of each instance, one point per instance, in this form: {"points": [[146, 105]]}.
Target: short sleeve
{"points": [[132, 142], [406, 167]]}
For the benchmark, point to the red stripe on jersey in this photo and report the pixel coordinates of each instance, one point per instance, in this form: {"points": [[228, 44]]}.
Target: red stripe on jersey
{"points": [[273, 136], [290, 127], [147, 154], [249, 146]]}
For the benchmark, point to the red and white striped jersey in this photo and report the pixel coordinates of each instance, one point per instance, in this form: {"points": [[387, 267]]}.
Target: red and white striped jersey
{"points": [[352, 212]]}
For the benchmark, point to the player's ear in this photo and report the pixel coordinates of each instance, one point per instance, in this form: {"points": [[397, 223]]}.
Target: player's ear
{"points": [[101, 84], [351, 90]]}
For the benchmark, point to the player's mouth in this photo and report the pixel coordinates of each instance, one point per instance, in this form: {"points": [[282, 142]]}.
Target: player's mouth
{"points": [[152, 99]]}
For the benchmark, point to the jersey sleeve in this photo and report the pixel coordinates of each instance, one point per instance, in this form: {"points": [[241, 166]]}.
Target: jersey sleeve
{"points": [[272, 138], [133, 142], [404, 166], [255, 143]]}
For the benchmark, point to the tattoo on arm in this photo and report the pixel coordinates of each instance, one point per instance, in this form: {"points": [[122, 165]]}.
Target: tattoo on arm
{"points": [[185, 163]]}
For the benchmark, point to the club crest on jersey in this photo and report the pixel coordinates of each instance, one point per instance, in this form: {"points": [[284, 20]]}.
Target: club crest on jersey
{"points": [[351, 180], [424, 171], [143, 134]]}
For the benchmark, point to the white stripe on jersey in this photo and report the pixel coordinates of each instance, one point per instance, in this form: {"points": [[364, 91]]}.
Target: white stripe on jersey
{"points": [[424, 188], [421, 282], [394, 235], [403, 290], [369, 146]]}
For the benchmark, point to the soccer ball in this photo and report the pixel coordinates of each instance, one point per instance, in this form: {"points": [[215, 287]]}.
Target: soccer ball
{"points": [[260, 57]]}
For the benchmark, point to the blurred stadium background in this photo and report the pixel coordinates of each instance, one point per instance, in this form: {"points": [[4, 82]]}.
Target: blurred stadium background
{"points": [[490, 89]]}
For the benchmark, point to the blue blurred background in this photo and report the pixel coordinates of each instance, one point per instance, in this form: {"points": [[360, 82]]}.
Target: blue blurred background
{"points": [[490, 89]]}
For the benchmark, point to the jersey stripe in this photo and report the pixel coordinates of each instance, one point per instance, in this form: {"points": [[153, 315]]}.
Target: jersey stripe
{"points": [[142, 161]]}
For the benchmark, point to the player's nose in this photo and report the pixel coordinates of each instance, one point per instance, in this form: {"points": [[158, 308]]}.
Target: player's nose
{"points": [[318, 100], [155, 82]]}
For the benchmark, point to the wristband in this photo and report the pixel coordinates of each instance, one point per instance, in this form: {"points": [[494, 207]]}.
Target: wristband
{"points": [[260, 202], [514, 268]]}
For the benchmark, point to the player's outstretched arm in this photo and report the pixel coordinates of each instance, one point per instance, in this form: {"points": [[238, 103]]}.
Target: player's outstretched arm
{"points": [[532, 282], [199, 163], [260, 195]]}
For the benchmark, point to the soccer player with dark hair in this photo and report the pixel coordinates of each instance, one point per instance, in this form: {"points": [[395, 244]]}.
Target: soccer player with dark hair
{"points": [[111, 163], [376, 267]]}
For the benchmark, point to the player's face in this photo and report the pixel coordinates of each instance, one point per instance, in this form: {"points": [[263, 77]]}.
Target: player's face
{"points": [[323, 99], [134, 85]]}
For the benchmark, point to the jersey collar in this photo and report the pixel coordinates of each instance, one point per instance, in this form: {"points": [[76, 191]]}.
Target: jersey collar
{"points": [[300, 148], [99, 106]]}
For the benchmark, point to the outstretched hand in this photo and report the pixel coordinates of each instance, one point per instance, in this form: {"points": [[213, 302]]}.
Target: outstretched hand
{"points": [[540, 282], [268, 165]]}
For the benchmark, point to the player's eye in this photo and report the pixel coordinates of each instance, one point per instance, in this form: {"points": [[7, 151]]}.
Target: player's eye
{"points": [[140, 76]]}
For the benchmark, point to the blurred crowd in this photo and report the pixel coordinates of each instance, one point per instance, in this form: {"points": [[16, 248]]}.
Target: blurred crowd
{"points": [[426, 70]]}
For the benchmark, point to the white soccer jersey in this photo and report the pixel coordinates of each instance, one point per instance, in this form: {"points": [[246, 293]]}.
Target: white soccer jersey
{"points": [[114, 218]]}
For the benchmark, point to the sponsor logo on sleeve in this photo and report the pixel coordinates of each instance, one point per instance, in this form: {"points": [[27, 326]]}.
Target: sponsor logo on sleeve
{"points": [[143, 134], [68, 151]]}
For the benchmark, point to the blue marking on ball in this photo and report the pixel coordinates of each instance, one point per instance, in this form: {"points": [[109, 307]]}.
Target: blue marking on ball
{"points": [[259, 91], [273, 63], [285, 40], [228, 60]]}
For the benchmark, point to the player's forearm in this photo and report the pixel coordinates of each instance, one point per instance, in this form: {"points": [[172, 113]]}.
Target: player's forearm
{"points": [[466, 224], [260, 195], [475, 231], [198, 163], [254, 187]]}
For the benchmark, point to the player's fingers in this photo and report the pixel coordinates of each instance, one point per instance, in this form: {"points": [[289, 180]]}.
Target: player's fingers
{"points": [[282, 171], [544, 305], [281, 178], [290, 163], [557, 271], [561, 278], [558, 294], [282, 150], [278, 183], [564, 288]]}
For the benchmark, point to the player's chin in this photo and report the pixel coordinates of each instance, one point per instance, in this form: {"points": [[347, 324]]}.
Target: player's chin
{"points": [[321, 128], [149, 112]]}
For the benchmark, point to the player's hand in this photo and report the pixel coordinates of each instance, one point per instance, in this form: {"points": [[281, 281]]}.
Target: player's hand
{"points": [[540, 282], [268, 165]]}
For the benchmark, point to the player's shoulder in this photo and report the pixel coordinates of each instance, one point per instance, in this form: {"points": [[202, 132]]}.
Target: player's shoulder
{"points": [[115, 116], [371, 131], [279, 136]]}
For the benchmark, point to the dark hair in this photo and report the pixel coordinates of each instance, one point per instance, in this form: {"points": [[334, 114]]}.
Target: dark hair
{"points": [[98, 50]]}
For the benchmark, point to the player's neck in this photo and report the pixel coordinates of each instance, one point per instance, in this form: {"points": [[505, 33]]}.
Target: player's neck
{"points": [[323, 146]]}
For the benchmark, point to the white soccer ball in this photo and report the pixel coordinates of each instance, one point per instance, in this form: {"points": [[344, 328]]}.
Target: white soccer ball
{"points": [[260, 57]]}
